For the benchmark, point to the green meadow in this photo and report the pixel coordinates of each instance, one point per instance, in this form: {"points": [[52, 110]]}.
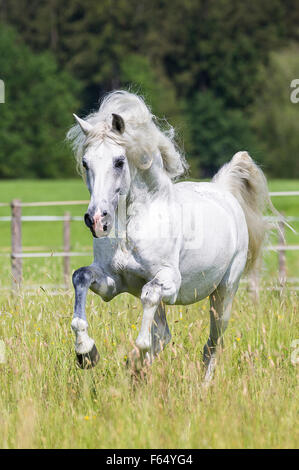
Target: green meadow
{"points": [[46, 401]]}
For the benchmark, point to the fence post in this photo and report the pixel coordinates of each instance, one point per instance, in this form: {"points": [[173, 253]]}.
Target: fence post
{"points": [[282, 255], [67, 248], [16, 242]]}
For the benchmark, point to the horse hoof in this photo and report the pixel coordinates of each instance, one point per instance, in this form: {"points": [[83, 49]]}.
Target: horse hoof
{"points": [[88, 360], [137, 360]]}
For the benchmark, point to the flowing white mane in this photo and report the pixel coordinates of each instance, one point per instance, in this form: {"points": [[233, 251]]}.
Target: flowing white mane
{"points": [[142, 138]]}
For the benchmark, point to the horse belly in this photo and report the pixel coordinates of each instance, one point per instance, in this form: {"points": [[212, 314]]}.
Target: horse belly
{"points": [[198, 285]]}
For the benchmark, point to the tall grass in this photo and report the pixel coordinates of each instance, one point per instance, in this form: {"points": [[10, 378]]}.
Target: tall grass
{"points": [[46, 401]]}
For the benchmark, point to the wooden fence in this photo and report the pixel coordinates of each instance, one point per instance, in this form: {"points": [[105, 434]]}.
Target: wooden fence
{"points": [[17, 254], [16, 220]]}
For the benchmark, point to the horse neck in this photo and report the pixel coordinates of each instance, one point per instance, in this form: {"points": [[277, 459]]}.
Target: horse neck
{"points": [[149, 184]]}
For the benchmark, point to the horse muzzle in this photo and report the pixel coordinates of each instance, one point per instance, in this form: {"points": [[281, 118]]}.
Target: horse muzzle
{"points": [[99, 224]]}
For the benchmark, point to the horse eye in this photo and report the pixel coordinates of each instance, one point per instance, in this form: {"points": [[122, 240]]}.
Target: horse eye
{"points": [[119, 163], [85, 165]]}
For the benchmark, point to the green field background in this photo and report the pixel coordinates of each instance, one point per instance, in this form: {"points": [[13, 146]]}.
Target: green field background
{"points": [[48, 236]]}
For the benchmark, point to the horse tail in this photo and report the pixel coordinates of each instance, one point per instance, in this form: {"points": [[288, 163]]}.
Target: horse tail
{"points": [[246, 181]]}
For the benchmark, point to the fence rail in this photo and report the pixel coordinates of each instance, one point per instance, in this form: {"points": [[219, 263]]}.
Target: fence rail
{"points": [[44, 204], [43, 218], [54, 254], [16, 218]]}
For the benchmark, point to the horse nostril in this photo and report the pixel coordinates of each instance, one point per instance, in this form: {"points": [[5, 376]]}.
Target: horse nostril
{"points": [[105, 213], [88, 220]]}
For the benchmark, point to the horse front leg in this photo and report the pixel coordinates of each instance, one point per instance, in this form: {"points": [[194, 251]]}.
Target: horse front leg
{"points": [[154, 332], [86, 351]]}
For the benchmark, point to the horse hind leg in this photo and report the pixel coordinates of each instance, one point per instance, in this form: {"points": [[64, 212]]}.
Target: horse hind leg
{"points": [[160, 333], [220, 310]]}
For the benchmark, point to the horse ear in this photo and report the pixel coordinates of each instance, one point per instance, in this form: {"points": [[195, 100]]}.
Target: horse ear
{"points": [[85, 125], [118, 123]]}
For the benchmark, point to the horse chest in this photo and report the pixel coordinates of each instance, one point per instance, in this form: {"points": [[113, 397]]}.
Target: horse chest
{"points": [[130, 269]]}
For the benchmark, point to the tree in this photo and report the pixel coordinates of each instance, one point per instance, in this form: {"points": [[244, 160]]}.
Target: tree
{"points": [[37, 112], [216, 133], [140, 76], [180, 54], [275, 118]]}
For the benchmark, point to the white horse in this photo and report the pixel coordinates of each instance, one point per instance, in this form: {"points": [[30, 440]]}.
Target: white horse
{"points": [[175, 243]]}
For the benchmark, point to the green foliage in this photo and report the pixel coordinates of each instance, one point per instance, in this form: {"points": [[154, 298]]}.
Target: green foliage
{"points": [[215, 44], [275, 118], [137, 72], [138, 75], [36, 114], [172, 52], [216, 132]]}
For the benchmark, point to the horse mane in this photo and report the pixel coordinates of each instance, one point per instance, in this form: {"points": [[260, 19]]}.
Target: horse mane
{"points": [[143, 137]]}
